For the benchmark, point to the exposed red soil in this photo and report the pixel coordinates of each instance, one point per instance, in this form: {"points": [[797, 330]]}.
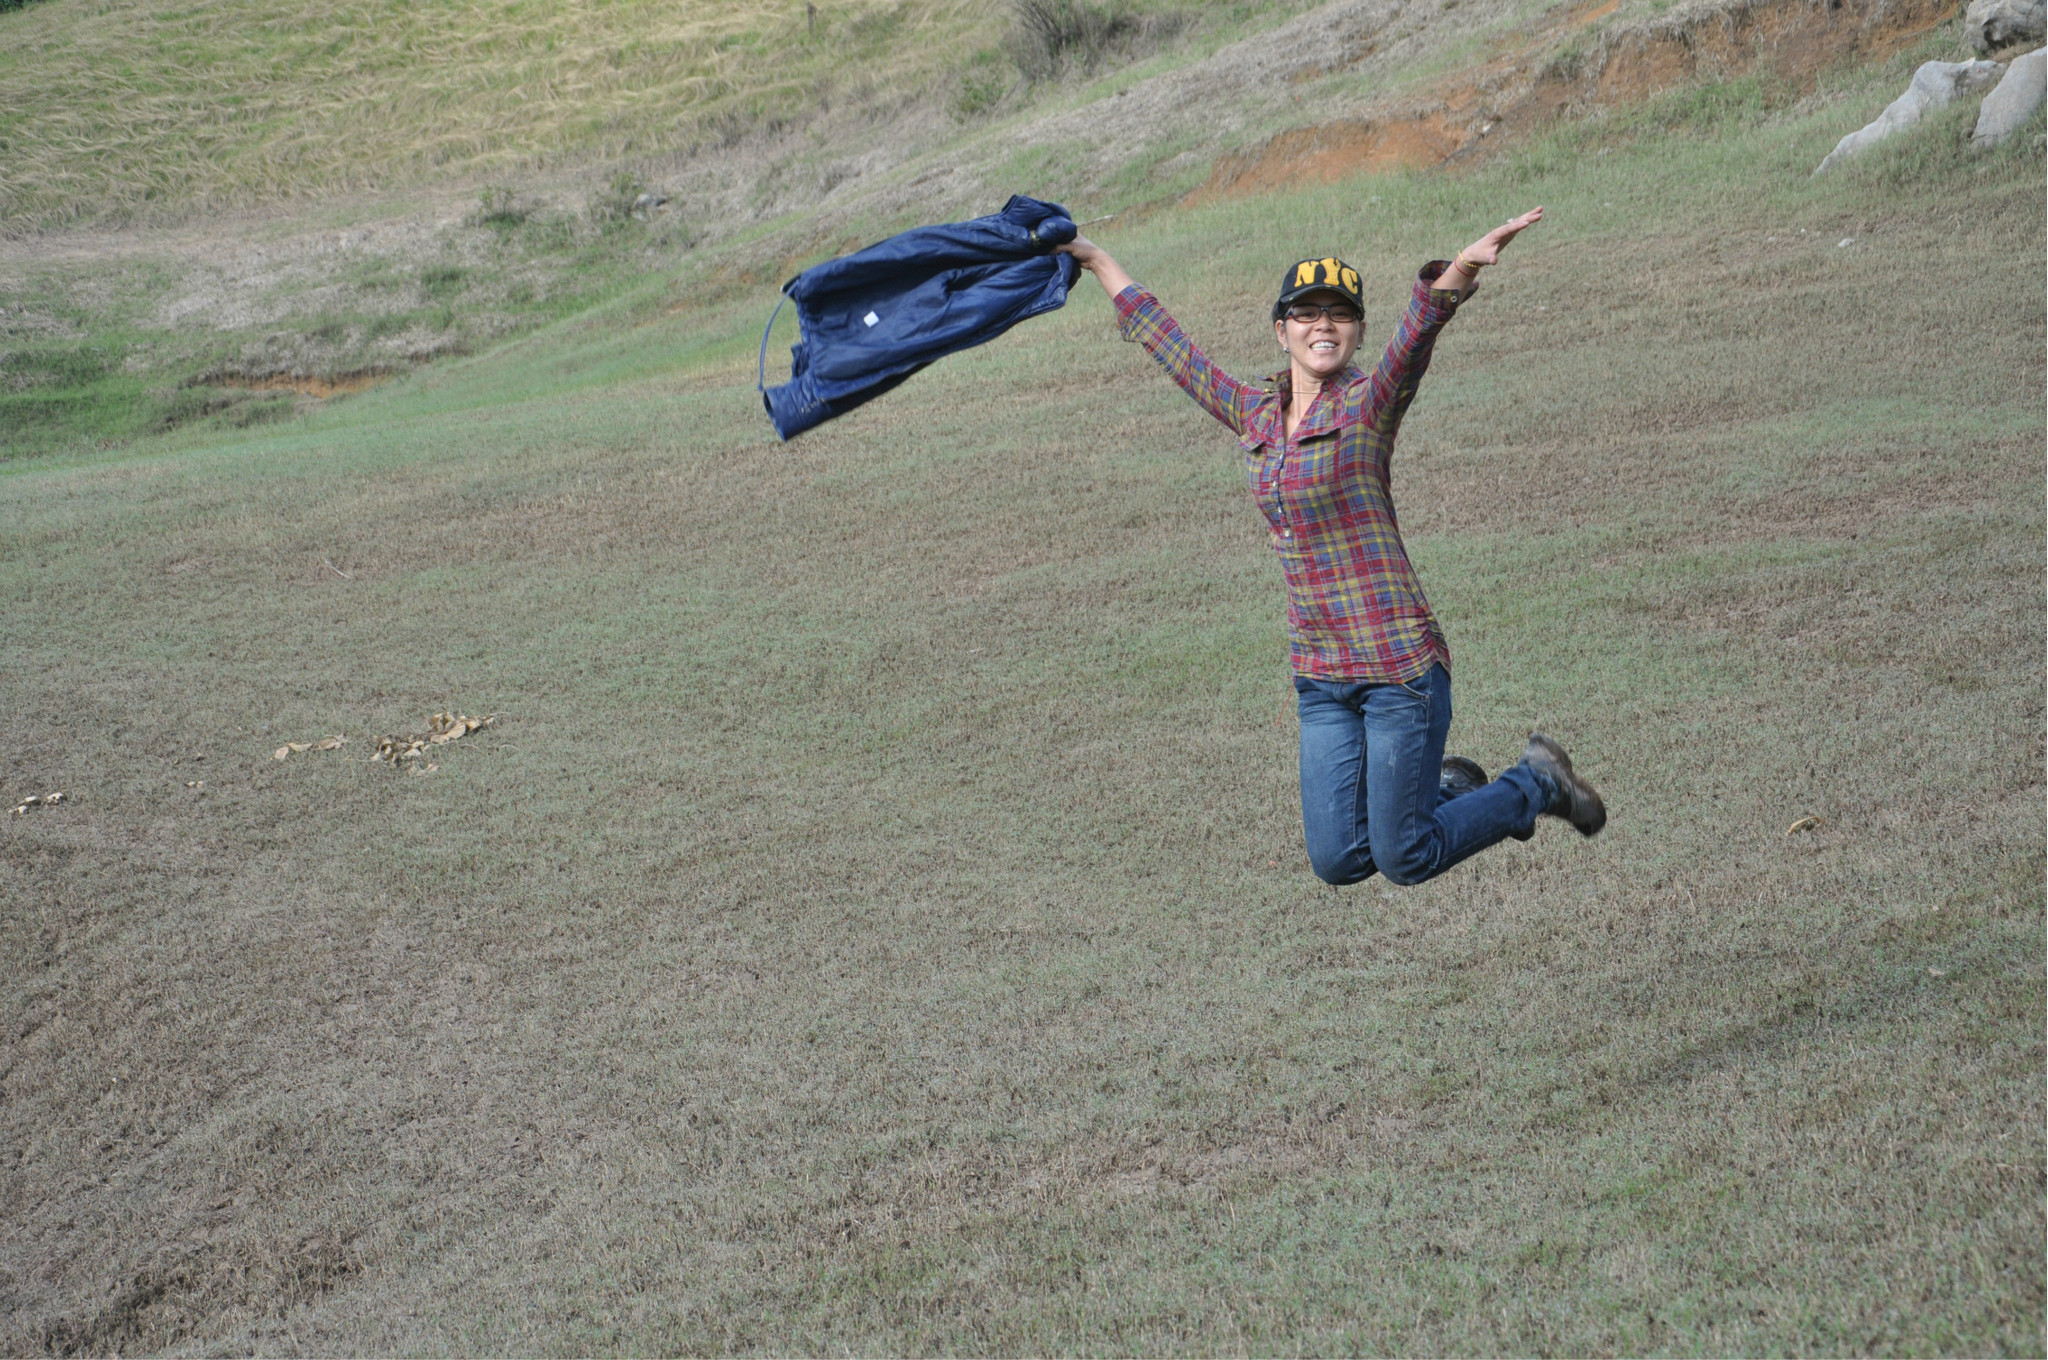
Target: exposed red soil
{"points": [[1795, 41], [1559, 72], [1334, 150], [339, 385]]}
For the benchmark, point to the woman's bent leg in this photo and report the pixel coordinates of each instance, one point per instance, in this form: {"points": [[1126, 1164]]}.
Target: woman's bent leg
{"points": [[1417, 836], [1333, 789]]}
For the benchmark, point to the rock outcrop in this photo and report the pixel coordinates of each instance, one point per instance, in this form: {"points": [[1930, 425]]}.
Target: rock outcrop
{"points": [[1935, 85], [1993, 25], [2014, 101]]}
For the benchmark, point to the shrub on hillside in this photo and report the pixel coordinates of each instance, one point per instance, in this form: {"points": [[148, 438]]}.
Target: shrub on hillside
{"points": [[1050, 36], [499, 207], [614, 203], [1047, 35], [439, 280], [983, 84]]}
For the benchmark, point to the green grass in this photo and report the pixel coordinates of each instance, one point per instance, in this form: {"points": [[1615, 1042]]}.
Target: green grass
{"points": [[86, 367], [879, 920]]}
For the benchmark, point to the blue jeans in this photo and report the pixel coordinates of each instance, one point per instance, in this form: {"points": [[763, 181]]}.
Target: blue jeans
{"points": [[1371, 756]]}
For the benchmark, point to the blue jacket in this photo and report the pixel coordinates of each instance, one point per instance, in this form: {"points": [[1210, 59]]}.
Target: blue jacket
{"points": [[871, 319]]}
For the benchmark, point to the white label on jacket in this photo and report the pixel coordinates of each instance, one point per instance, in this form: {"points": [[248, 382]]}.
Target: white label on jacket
{"points": [[871, 318]]}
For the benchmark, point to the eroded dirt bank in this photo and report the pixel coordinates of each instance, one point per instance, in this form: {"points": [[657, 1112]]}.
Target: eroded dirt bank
{"points": [[1575, 65]]}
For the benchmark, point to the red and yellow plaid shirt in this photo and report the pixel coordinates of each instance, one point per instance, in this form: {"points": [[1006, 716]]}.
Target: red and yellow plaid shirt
{"points": [[1354, 608]]}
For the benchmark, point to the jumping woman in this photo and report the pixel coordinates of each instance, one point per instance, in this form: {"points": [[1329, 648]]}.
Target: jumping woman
{"points": [[1371, 670]]}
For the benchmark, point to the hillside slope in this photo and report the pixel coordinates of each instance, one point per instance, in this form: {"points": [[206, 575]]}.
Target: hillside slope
{"points": [[915, 111], [138, 111], [141, 111], [877, 920], [135, 109]]}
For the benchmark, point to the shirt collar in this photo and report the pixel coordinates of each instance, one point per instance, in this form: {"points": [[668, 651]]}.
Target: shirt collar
{"points": [[1322, 415]]}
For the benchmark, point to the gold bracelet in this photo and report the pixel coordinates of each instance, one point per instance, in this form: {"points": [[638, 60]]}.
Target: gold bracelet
{"points": [[1460, 262]]}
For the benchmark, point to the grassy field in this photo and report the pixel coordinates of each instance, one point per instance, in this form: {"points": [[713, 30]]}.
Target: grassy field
{"points": [[878, 920], [135, 111]]}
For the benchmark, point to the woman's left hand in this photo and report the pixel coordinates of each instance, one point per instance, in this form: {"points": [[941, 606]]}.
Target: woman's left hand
{"points": [[1486, 250]]}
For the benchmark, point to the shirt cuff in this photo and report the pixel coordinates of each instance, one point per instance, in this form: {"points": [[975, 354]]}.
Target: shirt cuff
{"points": [[1443, 299], [1129, 301]]}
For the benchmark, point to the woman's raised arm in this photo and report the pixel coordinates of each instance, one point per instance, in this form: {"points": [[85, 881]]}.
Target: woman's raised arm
{"points": [[1464, 270], [1142, 319], [1097, 261]]}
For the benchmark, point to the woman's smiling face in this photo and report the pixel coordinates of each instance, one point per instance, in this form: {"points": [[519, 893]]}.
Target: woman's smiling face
{"points": [[1322, 344]]}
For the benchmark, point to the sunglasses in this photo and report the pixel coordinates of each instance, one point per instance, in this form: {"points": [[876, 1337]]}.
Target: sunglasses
{"points": [[1338, 311]]}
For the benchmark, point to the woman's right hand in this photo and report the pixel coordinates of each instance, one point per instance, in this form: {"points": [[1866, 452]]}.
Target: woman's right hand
{"points": [[1098, 262], [1084, 251]]}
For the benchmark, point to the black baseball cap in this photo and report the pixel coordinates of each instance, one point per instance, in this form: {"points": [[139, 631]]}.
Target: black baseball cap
{"points": [[1329, 275]]}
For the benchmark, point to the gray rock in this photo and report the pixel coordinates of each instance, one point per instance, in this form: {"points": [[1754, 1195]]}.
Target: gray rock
{"points": [[1994, 24], [1935, 85], [2014, 101]]}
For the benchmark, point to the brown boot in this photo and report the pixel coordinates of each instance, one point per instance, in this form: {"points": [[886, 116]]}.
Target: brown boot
{"points": [[1575, 800]]}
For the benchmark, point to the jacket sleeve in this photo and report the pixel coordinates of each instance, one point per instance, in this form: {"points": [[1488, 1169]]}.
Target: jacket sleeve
{"points": [[1407, 358], [1140, 317]]}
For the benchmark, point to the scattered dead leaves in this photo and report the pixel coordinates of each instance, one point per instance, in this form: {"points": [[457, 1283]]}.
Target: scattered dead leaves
{"points": [[408, 749], [399, 750], [448, 726], [37, 800], [324, 744], [411, 749]]}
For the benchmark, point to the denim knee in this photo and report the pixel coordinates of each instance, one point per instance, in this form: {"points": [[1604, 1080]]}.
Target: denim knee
{"points": [[1408, 868], [1340, 867]]}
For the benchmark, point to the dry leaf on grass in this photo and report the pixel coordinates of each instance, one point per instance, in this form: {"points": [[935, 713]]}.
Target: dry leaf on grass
{"points": [[1803, 824], [395, 749], [446, 727], [442, 728], [324, 744], [37, 800]]}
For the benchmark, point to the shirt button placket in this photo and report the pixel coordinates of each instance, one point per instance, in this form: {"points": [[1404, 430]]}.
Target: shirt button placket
{"points": [[1279, 490]]}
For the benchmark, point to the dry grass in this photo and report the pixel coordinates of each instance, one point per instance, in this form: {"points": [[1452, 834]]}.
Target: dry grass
{"points": [[112, 110], [878, 921], [138, 111]]}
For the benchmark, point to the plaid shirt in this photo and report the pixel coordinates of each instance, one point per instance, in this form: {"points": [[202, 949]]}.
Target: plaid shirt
{"points": [[1354, 608]]}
